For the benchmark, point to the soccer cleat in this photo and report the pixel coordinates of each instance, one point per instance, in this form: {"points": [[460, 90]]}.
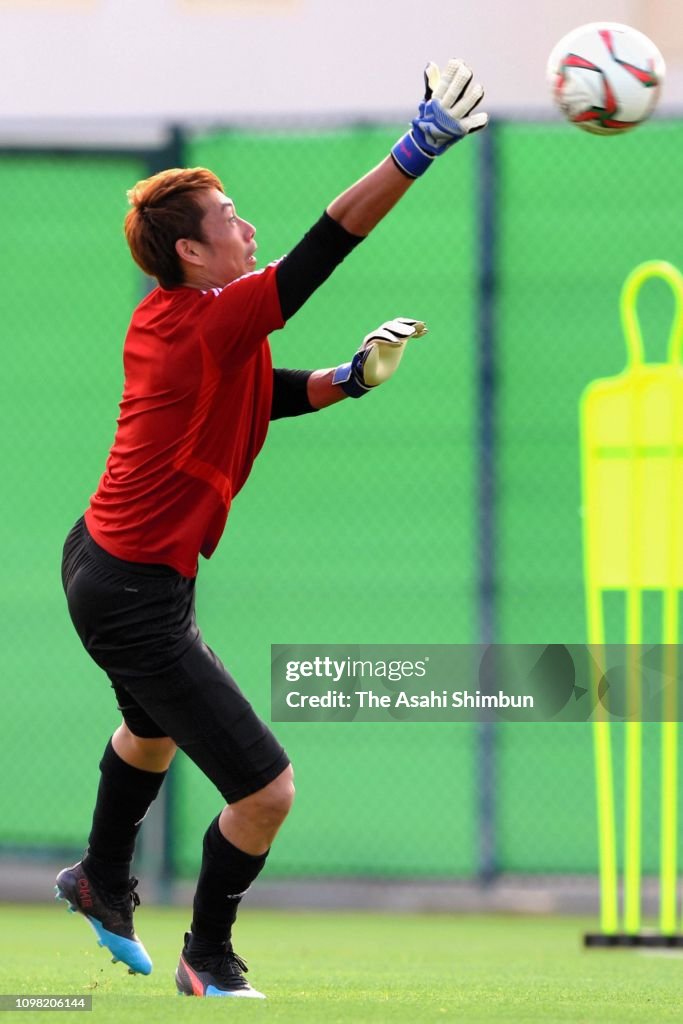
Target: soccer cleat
{"points": [[217, 975], [110, 915]]}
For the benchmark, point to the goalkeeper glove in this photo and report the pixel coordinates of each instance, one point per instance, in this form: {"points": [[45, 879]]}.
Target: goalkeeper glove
{"points": [[444, 117], [377, 358]]}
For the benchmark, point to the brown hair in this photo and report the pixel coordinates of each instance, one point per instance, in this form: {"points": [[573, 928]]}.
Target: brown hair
{"points": [[166, 207]]}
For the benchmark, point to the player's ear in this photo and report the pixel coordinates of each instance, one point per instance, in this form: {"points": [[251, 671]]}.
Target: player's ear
{"points": [[187, 250]]}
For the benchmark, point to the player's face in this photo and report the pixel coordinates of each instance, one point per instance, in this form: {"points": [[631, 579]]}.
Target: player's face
{"points": [[228, 247]]}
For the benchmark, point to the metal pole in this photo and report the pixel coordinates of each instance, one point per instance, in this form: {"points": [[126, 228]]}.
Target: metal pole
{"points": [[486, 505]]}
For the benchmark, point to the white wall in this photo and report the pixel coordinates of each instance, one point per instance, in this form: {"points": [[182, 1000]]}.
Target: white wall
{"points": [[224, 59]]}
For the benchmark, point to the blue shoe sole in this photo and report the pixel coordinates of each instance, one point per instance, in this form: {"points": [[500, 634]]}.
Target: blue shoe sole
{"points": [[131, 953]]}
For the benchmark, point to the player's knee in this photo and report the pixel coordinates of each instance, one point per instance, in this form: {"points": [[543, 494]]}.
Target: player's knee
{"points": [[277, 798], [287, 791], [152, 753], [270, 805]]}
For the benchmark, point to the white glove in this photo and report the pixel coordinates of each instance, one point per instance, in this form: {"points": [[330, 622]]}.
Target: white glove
{"points": [[379, 355], [385, 348]]}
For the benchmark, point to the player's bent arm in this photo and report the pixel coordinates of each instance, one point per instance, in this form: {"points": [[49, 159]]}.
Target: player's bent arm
{"points": [[322, 391], [296, 392]]}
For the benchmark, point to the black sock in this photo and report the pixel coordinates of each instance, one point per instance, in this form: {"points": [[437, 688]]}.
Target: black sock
{"points": [[123, 799], [225, 876]]}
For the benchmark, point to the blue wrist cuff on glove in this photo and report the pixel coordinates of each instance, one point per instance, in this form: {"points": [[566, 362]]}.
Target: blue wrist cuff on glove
{"points": [[349, 380], [409, 158]]}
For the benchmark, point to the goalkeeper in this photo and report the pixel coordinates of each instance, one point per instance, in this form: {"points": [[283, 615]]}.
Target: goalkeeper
{"points": [[199, 392]]}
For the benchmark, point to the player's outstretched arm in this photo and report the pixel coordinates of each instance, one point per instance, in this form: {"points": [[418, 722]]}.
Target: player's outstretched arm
{"points": [[444, 117], [362, 206]]}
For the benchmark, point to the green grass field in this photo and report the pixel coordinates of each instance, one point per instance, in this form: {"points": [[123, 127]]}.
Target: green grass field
{"points": [[348, 968]]}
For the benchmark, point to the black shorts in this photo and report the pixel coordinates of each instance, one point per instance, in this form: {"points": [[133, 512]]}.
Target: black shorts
{"points": [[138, 623]]}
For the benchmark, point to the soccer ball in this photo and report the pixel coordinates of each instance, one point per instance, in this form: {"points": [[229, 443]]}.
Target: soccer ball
{"points": [[605, 77]]}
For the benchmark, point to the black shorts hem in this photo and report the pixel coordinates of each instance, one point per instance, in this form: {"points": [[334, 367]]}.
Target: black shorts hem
{"points": [[258, 781]]}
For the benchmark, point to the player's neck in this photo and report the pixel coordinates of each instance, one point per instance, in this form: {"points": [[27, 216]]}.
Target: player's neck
{"points": [[203, 282]]}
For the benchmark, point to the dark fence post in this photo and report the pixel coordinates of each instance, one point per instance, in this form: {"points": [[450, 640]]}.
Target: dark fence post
{"points": [[486, 505]]}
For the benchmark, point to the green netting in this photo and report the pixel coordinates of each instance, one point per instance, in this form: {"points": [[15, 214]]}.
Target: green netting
{"points": [[575, 215], [358, 524], [68, 288]]}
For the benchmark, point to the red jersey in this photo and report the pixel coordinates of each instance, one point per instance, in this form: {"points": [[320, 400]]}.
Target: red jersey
{"points": [[194, 415]]}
